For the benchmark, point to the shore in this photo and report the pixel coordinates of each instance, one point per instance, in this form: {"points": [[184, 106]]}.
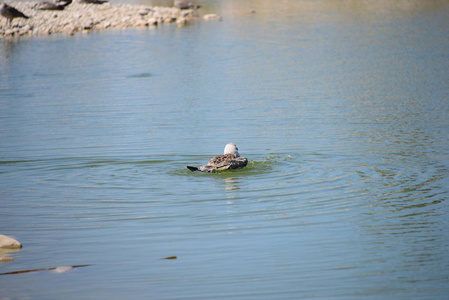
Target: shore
{"points": [[79, 17]]}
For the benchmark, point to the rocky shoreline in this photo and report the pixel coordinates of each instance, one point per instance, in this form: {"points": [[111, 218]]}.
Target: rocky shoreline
{"points": [[80, 17]]}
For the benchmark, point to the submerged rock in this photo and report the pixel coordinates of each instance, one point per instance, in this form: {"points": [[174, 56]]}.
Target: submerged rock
{"points": [[63, 269], [6, 259], [8, 245], [211, 17], [5, 255]]}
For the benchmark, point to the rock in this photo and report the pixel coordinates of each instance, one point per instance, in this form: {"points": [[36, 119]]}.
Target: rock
{"points": [[181, 22], [25, 30], [145, 11], [169, 20], [70, 29], [63, 269], [88, 25], [152, 22], [7, 242], [79, 17], [142, 23], [10, 32], [211, 16]]}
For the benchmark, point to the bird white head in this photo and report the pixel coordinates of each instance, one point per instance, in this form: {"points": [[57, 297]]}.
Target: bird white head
{"points": [[231, 148]]}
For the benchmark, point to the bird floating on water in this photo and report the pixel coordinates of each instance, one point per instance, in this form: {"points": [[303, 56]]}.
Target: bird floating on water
{"points": [[229, 160], [185, 4], [10, 13]]}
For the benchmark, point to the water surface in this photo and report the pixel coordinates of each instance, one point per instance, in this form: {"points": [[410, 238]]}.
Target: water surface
{"points": [[340, 106]]}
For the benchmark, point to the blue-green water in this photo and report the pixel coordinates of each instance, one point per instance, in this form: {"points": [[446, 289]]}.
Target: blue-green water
{"points": [[341, 107]]}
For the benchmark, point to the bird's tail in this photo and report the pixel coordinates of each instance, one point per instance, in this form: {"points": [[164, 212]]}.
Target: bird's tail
{"points": [[192, 168]]}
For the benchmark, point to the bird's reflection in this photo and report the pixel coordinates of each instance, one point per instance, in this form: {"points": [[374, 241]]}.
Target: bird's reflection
{"points": [[231, 184]]}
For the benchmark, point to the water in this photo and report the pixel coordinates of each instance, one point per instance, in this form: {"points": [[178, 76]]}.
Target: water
{"points": [[340, 106]]}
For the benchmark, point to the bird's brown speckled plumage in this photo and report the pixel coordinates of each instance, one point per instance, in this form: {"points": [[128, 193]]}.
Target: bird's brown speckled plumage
{"points": [[228, 161], [224, 161]]}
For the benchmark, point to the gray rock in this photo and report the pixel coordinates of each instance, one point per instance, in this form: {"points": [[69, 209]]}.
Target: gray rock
{"points": [[86, 17], [145, 11], [10, 31]]}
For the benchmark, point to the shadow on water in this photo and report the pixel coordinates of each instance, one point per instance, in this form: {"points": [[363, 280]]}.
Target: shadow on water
{"points": [[141, 75]]}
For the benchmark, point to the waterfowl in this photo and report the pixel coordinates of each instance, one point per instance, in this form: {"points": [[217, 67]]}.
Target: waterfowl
{"points": [[58, 5], [230, 159], [10, 13]]}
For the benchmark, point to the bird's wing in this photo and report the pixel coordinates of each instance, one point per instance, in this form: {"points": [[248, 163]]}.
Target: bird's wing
{"points": [[222, 161], [238, 162]]}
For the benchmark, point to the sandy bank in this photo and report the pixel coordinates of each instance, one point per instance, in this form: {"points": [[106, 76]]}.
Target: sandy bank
{"points": [[79, 17]]}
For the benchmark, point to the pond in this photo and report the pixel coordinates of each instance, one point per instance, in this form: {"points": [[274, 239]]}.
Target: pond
{"points": [[341, 108]]}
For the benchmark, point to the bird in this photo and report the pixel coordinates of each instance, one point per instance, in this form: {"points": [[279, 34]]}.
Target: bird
{"points": [[230, 159], [185, 4], [10, 13], [58, 5]]}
